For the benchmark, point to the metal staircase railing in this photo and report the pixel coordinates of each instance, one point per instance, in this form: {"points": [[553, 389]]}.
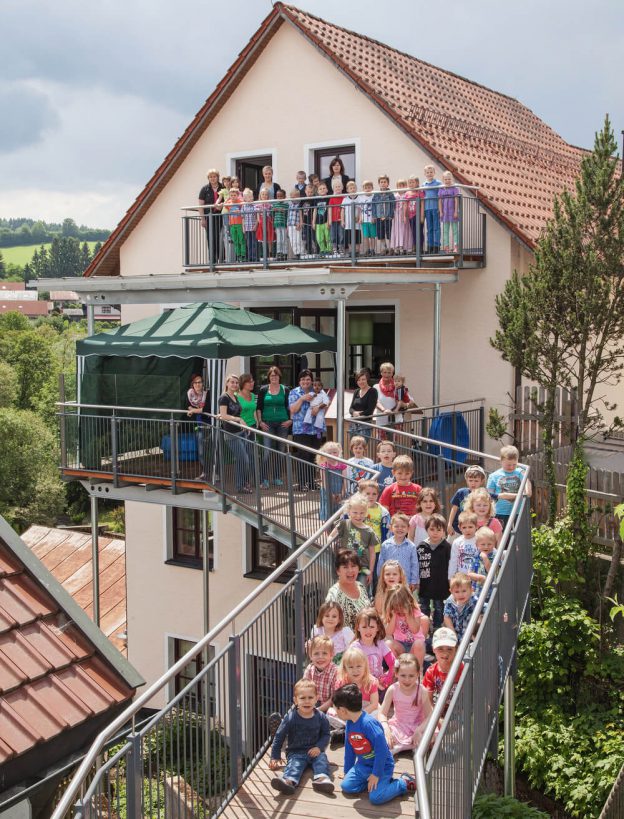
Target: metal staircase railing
{"points": [[162, 448]]}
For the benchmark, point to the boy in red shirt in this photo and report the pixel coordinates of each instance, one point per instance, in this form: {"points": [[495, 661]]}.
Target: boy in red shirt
{"points": [[444, 648], [402, 495]]}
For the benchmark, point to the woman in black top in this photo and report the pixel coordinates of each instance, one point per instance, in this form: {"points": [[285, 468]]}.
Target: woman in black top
{"points": [[336, 171], [209, 195], [230, 410], [363, 404]]}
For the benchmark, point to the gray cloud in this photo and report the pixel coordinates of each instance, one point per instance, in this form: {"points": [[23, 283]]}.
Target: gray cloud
{"points": [[26, 115]]}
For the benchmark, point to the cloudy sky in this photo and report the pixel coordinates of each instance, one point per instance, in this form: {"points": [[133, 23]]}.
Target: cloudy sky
{"points": [[94, 94]]}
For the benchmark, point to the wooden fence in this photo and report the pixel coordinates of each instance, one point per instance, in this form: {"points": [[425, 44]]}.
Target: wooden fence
{"points": [[528, 413]]}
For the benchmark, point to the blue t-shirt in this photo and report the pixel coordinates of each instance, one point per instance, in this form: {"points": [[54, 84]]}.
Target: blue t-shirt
{"points": [[385, 476], [431, 194], [502, 481], [299, 427], [366, 746]]}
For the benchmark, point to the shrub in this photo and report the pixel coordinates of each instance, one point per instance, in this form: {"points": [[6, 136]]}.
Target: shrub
{"points": [[490, 806]]}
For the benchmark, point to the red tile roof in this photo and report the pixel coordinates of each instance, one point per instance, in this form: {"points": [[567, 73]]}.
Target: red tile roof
{"points": [[52, 676], [67, 555], [28, 308], [484, 137]]}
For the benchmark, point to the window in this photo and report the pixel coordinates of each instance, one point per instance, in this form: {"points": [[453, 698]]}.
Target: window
{"points": [[179, 648], [272, 691], [370, 339], [324, 156], [191, 532], [249, 170], [266, 553]]}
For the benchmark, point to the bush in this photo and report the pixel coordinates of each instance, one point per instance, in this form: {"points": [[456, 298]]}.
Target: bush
{"points": [[490, 806]]}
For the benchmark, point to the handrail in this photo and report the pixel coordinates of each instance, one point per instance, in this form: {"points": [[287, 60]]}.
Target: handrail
{"points": [[414, 410], [129, 713]]}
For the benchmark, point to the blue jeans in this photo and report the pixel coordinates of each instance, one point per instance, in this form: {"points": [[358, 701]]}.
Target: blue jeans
{"points": [[359, 429], [432, 218], [337, 235], [438, 610], [297, 763], [272, 464], [387, 788], [242, 471]]}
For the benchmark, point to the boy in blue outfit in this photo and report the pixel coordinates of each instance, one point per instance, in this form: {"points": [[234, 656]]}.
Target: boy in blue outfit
{"points": [[368, 763], [432, 213], [307, 731], [505, 482]]}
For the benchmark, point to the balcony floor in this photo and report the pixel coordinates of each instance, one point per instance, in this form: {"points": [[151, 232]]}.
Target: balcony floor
{"points": [[256, 798]]}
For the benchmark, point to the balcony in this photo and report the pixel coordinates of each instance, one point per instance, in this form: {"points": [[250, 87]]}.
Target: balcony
{"points": [[253, 239]]}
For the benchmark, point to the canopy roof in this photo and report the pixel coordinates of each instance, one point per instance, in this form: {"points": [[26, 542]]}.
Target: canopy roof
{"points": [[212, 330]]}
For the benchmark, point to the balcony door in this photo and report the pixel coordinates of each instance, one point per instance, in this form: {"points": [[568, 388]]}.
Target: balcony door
{"points": [[249, 170]]}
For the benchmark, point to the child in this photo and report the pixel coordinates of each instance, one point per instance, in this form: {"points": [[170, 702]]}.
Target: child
{"points": [[448, 202], [402, 397], [315, 414], [400, 237], [279, 214], [263, 212], [354, 668], [475, 478], [336, 218], [294, 223], [459, 606], [377, 516], [386, 454], [404, 623], [367, 217], [353, 533], [320, 220], [411, 704], [432, 214], [321, 670], [392, 574], [226, 238], [398, 547], [506, 483], [368, 763], [480, 502], [415, 198], [300, 184], [307, 221], [369, 638], [486, 544], [444, 648], [330, 623], [307, 731], [358, 458], [464, 549], [234, 204], [332, 488], [428, 504], [434, 553], [402, 495], [250, 225], [351, 216], [383, 211]]}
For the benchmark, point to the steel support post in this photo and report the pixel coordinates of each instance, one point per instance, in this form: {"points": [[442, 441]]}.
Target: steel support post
{"points": [[437, 327], [95, 559], [341, 347], [509, 737], [234, 711], [90, 319]]}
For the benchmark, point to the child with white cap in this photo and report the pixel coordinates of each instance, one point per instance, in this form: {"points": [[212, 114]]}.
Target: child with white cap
{"points": [[444, 648]]}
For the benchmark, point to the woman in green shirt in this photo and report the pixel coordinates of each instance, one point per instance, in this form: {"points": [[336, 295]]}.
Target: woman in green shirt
{"points": [[273, 416], [248, 402]]}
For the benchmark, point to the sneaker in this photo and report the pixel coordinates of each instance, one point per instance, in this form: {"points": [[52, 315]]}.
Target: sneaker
{"points": [[337, 738], [323, 784], [410, 782], [278, 482], [286, 786], [275, 720]]}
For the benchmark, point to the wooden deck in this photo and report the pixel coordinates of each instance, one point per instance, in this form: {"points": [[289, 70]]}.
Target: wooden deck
{"points": [[256, 798]]}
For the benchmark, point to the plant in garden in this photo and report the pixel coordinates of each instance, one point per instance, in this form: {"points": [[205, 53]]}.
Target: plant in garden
{"points": [[490, 806]]}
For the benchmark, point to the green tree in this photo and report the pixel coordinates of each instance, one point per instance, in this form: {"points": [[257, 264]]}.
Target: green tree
{"points": [[2, 268], [69, 228], [8, 385]]}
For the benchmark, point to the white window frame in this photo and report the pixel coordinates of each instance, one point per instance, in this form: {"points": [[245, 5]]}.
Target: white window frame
{"points": [[310, 148], [230, 159]]}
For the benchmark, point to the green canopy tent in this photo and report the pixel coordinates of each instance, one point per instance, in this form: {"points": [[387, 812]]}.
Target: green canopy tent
{"points": [[149, 363]]}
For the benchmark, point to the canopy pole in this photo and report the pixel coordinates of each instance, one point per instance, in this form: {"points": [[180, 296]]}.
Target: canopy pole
{"points": [[341, 347], [437, 323], [95, 559], [91, 319]]}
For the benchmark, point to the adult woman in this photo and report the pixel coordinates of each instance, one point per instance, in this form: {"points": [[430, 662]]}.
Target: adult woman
{"points": [[267, 183], [247, 399], [363, 404], [230, 410], [385, 393], [198, 398], [336, 172], [209, 195], [350, 595], [273, 417]]}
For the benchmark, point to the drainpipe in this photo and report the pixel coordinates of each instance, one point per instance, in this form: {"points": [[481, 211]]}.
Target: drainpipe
{"points": [[437, 322], [341, 342]]}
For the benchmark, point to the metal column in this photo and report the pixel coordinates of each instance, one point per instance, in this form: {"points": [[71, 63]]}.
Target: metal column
{"points": [[91, 319], [95, 559], [510, 737], [341, 346], [437, 328]]}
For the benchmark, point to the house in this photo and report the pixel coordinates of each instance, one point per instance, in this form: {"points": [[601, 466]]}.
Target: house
{"points": [[14, 297], [381, 111], [61, 680]]}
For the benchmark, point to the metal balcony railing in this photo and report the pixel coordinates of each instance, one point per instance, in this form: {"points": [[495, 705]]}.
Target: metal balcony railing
{"points": [[274, 233], [205, 741]]}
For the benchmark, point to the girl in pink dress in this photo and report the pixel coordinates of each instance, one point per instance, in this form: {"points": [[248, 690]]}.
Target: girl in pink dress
{"points": [[406, 626], [411, 704], [401, 236], [428, 504]]}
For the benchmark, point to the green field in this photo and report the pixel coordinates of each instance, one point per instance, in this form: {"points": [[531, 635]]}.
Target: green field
{"points": [[22, 254]]}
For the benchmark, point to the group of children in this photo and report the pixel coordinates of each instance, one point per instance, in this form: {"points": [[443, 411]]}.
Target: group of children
{"points": [[315, 221], [364, 679]]}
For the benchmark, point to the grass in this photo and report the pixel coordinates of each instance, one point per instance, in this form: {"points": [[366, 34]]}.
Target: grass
{"points": [[22, 254]]}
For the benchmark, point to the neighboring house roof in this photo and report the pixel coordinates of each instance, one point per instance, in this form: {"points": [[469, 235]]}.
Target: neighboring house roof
{"points": [[5, 285], [27, 308], [64, 295], [60, 678], [67, 554], [484, 137]]}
